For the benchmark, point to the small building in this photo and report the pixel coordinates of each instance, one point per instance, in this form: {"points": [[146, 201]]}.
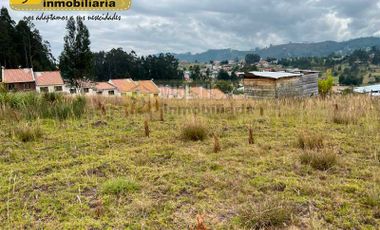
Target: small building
{"points": [[49, 82], [18, 79], [373, 90], [124, 86], [128, 87], [281, 84], [147, 88], [106, 89]]}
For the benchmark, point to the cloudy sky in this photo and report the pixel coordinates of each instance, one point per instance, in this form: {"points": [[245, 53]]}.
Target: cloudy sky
{"points": [[195, 26]]}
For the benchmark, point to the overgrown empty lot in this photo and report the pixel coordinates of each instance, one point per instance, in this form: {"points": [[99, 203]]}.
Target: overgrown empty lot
{"points": [[307, 164]]}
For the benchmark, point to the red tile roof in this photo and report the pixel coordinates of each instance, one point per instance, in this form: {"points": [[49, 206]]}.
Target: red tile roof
{"points": [[128, 85], [123, 85], [17, 75], [147, 87], [104, 86], [48, 78]]}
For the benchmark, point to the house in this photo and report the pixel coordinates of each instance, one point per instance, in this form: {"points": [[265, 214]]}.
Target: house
{"points": [[106, 89], [281, 84], [49, 82], [128, 87], [147, 88], [18, 79], [373, 90], [124, 86]]}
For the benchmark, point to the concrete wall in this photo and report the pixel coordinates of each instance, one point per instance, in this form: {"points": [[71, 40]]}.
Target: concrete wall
{"points": [[50, 88]]}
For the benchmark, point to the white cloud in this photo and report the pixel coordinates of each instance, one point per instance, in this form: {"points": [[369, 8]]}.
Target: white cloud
{"points": [[182, 25]]}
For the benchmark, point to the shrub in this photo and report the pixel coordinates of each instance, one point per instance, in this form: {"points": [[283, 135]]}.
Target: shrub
{"points": [[325, 85], [269, 215], [321, 160], [119, 186], [79, 105], [27, 133], [194, 130], [307, 140], [50, 105]]}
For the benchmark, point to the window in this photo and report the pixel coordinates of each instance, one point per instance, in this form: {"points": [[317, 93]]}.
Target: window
{"points": [[86, 90], [111, 92], [11, 87], [44, 89], [58, 88], [99, 92]]}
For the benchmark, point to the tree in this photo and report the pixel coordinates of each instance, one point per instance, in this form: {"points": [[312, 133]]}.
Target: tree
{"points": [[223, 75], [252, 58], [196, 73], [225, 86], [117, 63], [325, 85], [22, 45], [76, 57], [351, 76]]}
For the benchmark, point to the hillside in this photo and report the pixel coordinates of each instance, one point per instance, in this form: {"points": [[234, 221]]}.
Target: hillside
{"points": [[318, 49]]}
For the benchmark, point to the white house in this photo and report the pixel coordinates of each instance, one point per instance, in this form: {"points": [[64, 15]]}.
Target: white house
{"points": [[49, 82], [106, 89]]}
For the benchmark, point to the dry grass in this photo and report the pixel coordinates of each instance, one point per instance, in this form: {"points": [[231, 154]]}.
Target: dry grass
{"points": [[319, 159], [217, 147], [27, 132], [251, 141], [271, 214], [146, 128], [311, 140], [194, 130], [98, 172]]}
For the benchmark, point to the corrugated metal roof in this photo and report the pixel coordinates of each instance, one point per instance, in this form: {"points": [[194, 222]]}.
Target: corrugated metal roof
{"points": [[368, 89], [274, 75]]}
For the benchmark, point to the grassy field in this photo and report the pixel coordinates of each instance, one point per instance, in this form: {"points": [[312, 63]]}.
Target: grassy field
{"points": [[292, 164]]}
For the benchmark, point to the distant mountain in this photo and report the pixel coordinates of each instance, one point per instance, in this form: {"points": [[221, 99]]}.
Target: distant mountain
{"points": [[318, 49]]}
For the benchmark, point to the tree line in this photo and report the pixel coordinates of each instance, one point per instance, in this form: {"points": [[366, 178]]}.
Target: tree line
{"points": [[22, 45], [78, 62]]}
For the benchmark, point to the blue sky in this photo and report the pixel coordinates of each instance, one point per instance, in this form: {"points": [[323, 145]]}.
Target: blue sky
{"points": [[181, 25]]}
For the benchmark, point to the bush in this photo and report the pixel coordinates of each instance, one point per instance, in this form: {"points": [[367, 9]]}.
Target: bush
{"points": [[307, 140], [321, 160], [325, 85], [28, 133], [195, 130], [50, 105], [79, 105], [119, 186], [269, 215]]}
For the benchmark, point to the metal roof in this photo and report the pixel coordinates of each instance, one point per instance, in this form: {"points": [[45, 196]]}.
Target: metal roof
{"points": [[275, 75], [368, 89]]}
